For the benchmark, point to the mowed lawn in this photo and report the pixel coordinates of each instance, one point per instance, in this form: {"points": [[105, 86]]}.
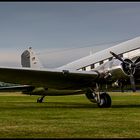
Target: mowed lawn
{"points": [[69, 117]]}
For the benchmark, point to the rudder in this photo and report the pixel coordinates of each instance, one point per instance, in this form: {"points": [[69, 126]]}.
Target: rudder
{"points": [[30, 59]]}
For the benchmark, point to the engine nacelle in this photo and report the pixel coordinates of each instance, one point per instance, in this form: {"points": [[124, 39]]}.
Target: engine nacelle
{"points": [[112, 70], [128, 66]]}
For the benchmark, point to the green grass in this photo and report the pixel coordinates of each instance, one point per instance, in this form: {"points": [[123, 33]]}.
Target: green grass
{"points": [[69, 117]]}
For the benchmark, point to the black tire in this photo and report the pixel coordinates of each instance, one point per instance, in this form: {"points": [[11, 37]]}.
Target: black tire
{"points": [[90, 96], [105, 100], [39, 100]]}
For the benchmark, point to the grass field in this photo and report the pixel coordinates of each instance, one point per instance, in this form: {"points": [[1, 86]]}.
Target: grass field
{"points": [[69, 117]]}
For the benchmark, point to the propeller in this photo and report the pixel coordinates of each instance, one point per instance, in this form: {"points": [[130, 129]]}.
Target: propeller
{"points": [[137, 64], [117, 56], [130, 68]]}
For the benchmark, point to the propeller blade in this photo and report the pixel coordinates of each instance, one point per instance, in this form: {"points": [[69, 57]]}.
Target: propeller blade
{"points": [[137, 60], [137, 64], [132, 81], [117, 56]]}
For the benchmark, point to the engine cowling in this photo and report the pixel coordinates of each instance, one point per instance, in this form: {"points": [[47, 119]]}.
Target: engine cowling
{"points": [[128, 66]]}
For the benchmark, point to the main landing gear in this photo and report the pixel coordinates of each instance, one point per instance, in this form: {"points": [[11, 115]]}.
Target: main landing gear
{"points": [[40, 99], [102, 99]]}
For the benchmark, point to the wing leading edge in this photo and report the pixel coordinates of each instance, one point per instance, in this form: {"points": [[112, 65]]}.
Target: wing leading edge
{"points": [[16, 88]]}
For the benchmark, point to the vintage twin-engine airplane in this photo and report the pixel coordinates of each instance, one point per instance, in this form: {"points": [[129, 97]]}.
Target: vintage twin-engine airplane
{"points": [[90, 75]]}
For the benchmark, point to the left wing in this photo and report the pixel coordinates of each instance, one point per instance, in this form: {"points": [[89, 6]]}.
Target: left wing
{"points": [[53, 78]]}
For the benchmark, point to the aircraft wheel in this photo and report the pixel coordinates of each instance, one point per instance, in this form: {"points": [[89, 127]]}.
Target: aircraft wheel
{"points": [[91, 95], [105, 100], [39, 100]]}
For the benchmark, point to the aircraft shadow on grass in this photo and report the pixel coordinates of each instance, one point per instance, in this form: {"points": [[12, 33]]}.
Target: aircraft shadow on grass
{"points": [[60, 105], [127, 106]]}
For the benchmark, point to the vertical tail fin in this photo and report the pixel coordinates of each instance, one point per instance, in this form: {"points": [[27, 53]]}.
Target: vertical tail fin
{"points": [[29, 59]]}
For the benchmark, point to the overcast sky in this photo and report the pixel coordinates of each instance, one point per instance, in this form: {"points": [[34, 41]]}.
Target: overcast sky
{"points": [[61, 32]]}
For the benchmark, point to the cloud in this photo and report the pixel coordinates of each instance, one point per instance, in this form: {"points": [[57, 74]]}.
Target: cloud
{"points": [[50, 58], [57, 57], [11, 59]]}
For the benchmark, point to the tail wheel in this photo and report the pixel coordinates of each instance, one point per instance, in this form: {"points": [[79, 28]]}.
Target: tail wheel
{"points": [[40, 100], [105, 100]]}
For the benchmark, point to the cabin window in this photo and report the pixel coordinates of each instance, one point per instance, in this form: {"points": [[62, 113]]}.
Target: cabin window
{"points": [[106, 60], [80, 70], [92, 66], [88, 68], [96, 65], [101, 62], [83, 69]]}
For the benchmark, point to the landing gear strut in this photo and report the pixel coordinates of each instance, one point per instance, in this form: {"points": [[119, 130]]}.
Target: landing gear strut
{"points": [[102, 99], [40, 99]]}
